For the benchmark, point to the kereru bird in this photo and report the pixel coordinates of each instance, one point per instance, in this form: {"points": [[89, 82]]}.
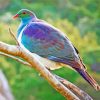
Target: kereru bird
{"points": [[51, 44]]}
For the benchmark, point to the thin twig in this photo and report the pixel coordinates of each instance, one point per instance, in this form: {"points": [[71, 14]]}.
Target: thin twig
{"points": [[12, 34], [15, 58]]}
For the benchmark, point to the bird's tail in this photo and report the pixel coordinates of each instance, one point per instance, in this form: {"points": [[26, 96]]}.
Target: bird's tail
{"points": [[80, 68], [88, 78]]}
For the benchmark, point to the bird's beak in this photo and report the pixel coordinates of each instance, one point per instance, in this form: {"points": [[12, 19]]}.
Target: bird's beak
{"points": [[16, 16]]}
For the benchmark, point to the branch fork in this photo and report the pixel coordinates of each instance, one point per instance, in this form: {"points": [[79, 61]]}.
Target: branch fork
{"points": [[64, 87]]}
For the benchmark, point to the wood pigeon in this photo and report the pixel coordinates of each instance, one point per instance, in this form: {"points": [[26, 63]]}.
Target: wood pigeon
{"points": [[51, 44]]}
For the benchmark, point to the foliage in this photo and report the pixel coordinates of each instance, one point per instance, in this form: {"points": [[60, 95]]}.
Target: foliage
{"points": [[79, 19]]}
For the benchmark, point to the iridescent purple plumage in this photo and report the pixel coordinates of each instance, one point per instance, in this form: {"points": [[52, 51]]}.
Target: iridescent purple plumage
{"points": [[49, 42]]}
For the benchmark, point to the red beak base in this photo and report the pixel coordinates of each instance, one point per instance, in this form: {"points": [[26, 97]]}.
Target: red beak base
{"points": [[16, 16]]}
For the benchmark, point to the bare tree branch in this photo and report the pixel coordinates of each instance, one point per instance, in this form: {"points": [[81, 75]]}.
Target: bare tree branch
{"points": [[66, 83], [74, 88], [12, 34], [15, 58], [61, 85], [33, 60]]}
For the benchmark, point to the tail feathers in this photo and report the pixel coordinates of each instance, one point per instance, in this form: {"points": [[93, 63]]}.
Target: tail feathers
{"points": [[88, 78], [81, 69]]}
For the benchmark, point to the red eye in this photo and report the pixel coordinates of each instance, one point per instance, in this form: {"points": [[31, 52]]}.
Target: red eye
{"points": [[24, 12]]}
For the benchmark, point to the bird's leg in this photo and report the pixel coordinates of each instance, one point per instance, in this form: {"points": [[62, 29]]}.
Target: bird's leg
{"points": [[12, 34]]}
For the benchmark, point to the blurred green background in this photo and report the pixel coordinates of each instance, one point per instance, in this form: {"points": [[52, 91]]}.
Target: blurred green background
{"points": [[79, 19]]}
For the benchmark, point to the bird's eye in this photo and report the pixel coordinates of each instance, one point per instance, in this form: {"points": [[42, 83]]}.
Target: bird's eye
{"points": [[24, 12]]}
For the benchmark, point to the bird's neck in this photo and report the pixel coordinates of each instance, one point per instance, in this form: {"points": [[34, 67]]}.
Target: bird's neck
{"points": [[23, 23], [26, 20]]}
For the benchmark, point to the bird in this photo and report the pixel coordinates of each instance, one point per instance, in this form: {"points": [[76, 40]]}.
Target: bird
{"points": [[51, 44]]}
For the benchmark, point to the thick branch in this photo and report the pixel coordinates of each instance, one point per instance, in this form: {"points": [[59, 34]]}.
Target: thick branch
{"points": [[66, 83], [33, 60], [9, 49]]}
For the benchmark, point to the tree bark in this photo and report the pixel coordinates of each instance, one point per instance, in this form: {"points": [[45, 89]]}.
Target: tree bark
{"points": [[32, 60]]}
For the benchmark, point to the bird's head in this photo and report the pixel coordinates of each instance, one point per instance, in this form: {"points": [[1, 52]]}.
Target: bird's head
{"points": [[25, 14]]}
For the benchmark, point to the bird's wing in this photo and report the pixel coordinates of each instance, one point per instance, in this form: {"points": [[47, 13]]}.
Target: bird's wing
{"points": [[47, 41]]}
